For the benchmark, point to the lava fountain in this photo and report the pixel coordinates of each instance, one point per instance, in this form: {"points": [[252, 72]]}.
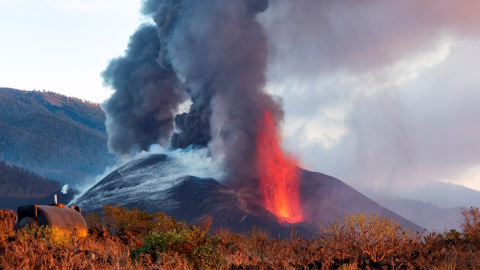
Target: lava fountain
{"points": [[279, 180]]}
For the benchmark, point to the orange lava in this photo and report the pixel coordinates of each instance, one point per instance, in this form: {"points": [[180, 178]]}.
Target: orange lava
{"points": [[279, 180]]}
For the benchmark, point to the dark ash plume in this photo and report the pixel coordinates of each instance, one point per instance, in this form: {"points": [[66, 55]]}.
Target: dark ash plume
{"points": [[256, 6], [218, 50], [194, 126], [141, 111]]}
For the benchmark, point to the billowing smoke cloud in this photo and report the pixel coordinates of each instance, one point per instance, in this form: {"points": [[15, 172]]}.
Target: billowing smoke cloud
{"points": [[217, 51], [141, 111], [378, 93]]}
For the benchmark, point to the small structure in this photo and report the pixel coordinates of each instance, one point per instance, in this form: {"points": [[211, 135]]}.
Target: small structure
{"points": [[68, 219]]}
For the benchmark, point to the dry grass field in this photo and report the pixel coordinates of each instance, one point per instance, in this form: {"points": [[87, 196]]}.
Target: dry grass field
{"points": [[131, 239]]}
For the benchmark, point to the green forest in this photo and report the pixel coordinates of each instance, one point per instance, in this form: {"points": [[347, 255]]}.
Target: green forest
{"points": [[22, 183], [56, 136]]}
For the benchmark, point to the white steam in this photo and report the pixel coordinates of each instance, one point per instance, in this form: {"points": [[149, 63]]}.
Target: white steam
{"points": [[158, 178], [149, 175], [64, 189]]}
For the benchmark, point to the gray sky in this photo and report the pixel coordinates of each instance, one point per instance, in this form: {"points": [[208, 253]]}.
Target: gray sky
{"points": [[380, 93], [376, 93]]}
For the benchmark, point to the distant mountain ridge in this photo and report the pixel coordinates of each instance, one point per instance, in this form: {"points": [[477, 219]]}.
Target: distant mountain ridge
{"points": [[60, 137], [426, 214], [434, 205], [446, 195]]}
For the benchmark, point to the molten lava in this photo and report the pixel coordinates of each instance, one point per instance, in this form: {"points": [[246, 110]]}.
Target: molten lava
{"points": [[279, 180]]}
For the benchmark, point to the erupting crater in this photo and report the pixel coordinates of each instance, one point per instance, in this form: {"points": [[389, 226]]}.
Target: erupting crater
{"points": [[279, 179]]}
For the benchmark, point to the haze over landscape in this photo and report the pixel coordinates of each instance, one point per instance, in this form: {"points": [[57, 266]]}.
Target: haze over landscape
{"points": [[387, 104]]}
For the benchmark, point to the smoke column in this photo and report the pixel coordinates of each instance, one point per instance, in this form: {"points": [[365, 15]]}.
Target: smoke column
{"points": [[141, 111], [214, 50]]}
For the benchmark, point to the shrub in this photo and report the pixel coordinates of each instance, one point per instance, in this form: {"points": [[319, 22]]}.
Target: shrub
{"points": [[46, 234], [120, 220], [194, 244], [93, 220], [163, 222], [453, 235], [471, 224], [258, 234], [358, 236], [7, 221]]}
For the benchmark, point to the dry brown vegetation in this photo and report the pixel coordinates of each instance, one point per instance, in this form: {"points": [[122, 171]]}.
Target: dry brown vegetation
{"points": [[131, 239]]}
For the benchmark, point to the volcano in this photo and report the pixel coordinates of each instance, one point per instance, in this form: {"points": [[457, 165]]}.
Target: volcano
{"points": [[214, 54], [162, 183]]}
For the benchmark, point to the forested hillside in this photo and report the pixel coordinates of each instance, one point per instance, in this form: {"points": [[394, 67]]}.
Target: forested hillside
{"points": [[19, 182], [56, 136]]}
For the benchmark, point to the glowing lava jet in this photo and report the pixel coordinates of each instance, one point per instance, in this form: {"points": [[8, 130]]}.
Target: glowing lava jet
{"points": [[279, 180]]}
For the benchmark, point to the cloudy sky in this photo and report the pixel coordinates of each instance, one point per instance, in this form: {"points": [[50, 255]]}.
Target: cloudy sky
{"points": [[376, 93], [379, 93]]}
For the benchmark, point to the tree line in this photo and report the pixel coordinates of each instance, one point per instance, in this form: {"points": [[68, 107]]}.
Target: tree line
{"points": [[21, 183]]}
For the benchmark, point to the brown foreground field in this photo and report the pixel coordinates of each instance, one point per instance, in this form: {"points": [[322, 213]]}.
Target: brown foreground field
{"points": [[132, 239]]}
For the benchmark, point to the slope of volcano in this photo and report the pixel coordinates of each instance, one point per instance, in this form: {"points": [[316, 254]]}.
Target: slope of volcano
{"points": [[164, 183]]}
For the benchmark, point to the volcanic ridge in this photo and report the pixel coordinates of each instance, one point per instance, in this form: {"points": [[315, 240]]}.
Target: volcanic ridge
{"points": [[159, 183]]}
